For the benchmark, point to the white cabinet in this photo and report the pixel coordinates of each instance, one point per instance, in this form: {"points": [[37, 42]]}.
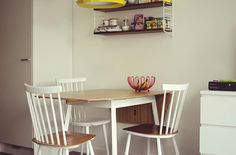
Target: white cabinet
{"points": [[218, 123]]}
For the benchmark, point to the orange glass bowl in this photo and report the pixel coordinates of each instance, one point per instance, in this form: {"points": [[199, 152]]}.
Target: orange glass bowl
{"points": [[141, 83]]}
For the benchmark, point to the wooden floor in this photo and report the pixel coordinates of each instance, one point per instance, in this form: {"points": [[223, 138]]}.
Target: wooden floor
{"points": [[75, 153], [71, 153], [1, 153]]}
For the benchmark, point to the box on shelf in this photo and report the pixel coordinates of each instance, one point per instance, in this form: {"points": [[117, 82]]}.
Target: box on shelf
{"points": [[144, 1], [222, 85]]}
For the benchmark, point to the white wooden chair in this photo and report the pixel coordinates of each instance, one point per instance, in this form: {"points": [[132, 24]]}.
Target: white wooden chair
{"points": [[48, 122], [79, 117], [168, 123]]}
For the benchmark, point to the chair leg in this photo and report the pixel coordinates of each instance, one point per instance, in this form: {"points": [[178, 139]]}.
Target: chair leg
{"points": [[91, 147], [63, 152], [105, 137], [82, 145], [159, 149], [67, 151], [39, 152], [148, 146], [60, 152], [128, 144], [87, 145], [175, 146]]}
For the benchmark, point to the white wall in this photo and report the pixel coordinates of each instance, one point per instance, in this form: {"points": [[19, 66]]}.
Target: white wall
{"points": [[52, 43], [52, 40], [203, 48]]}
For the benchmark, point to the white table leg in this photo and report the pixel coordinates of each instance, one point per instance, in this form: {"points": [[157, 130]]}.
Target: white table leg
{"points": [[113, 130], [155, 112], [148, 146]]}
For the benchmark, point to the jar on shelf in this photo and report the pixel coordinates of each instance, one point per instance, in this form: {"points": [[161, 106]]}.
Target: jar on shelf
{"points": [[105, 22], [126, 25], [144, 1], [133, 1], [113, 22]]}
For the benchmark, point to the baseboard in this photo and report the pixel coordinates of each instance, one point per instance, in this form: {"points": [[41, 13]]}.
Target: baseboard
{"points": [[13, 149], [98, 151]]}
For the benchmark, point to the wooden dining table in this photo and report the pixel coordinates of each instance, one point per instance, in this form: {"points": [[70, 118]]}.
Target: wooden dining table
{"points": [[112, 99]]}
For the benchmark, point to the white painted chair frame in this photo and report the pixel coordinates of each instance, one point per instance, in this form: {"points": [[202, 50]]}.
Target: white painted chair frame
{"points": [[73, 84], [79, 115], [45, 119], [169, 121]]}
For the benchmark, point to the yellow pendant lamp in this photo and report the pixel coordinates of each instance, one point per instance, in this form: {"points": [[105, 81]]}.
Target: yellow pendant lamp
{"points": [[101, 4]]}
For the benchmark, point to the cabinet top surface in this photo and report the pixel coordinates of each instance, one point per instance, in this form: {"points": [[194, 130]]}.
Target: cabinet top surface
{"points": [[225, 93]]}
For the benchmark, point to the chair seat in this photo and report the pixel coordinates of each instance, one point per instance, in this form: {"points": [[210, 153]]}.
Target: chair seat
{"points": [[150, 130], [90, 122], [73, 140]]}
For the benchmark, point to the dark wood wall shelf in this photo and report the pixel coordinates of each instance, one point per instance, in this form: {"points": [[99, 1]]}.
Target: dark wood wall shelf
{"points": [[131, 32], [136, 6], [159, 4]]}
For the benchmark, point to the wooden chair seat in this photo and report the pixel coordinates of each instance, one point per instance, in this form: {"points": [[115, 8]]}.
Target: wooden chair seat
{"points": [[50, 128], [73, 140], [150, 130]]}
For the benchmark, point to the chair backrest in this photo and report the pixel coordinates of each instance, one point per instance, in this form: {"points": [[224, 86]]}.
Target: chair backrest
{"points": [[72, 84], [46, 110], [169, 122]]}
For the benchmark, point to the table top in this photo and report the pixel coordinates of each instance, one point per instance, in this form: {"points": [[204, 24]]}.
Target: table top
{"points": [[106, 95]]}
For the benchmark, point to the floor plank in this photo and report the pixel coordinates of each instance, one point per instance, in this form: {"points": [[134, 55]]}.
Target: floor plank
{"points": [[71, 153], [1, 153], [75, 153]]}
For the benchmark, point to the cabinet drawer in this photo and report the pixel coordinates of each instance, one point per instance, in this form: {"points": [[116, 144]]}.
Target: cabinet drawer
{"points": [[141, 113], [218, 110], [217, 140]]}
